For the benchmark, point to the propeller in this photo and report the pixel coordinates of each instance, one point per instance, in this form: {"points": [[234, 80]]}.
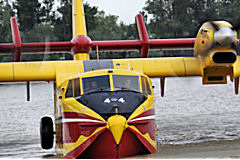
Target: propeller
{"points": [[214, 25], [224, 36], [236, 26]]}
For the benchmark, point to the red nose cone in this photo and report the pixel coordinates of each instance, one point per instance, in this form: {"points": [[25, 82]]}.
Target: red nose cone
{"points": [[81, 44]]}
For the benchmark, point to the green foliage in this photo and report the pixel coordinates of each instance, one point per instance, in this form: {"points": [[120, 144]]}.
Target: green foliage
{"points": [[5, 15], [182, 18], [28, 13], [90, 17], [63, 24], [106, 27], [39, 22], [39, 33], [47, 12]]}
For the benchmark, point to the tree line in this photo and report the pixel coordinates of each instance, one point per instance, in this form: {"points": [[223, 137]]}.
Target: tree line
{"points": [[40, 22]]}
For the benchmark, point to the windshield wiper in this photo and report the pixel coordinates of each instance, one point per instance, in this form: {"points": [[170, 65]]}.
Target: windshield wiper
{"points": [[126, 89], [97, 90], [122, 88]]}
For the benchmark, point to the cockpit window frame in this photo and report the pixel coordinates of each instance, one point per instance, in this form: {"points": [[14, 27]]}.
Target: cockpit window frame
{"points": [[137, 87], [92, 77], [146, 89], [142, 82], [69, 89], [71, 84]]}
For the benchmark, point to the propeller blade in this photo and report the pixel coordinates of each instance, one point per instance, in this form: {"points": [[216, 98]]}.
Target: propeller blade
{"points": [[237, 25], [215, 26]]}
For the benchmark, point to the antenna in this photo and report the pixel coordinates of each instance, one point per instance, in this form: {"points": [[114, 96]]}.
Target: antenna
{"points": [[97, 54]]}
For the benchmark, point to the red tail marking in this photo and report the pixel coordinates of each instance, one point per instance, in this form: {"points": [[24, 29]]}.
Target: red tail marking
{"points": [[16, 40], [142, 36]]}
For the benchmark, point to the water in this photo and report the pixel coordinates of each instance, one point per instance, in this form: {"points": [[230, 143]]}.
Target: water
{"points": [[189, 113], [20, 120]]}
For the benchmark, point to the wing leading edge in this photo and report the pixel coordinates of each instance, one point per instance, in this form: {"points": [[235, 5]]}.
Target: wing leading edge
{"points": [[153, 67]]}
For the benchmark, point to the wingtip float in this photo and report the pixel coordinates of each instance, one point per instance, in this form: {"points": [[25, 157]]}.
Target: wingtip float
{"points": [[105, 108]]}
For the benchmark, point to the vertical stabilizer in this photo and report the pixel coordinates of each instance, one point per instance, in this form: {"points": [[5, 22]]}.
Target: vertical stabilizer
{"points": [[79, 26], [16, 40], [78, 16]]}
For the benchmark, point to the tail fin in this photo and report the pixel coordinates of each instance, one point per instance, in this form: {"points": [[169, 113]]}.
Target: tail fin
{"points": [[78, 16], [80, 38], [16, 40]]}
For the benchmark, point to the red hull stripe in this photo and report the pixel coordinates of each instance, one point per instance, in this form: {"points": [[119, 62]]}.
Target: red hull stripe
{"points": [[78, 115], [150, 148], [144, 114], [143, 118], [77, 151]]}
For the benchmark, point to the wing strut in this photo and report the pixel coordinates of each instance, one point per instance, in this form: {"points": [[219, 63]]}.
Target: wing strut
{"points": [[28, 90], [162, 83], [236, 84]]}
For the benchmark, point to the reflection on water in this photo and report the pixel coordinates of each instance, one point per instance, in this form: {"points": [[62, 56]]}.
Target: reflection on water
{"points": [[189, 113]]}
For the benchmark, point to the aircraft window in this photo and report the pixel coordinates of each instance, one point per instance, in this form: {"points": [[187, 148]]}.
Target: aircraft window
{"points": [[77, 87], [144, 90], [69, 92], [145, 86], [148, 87], [73, 88], [126, 82], [99, 83]]}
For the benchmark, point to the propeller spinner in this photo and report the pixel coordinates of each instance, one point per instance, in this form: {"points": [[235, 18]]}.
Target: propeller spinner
{"points": [[224, 36]]}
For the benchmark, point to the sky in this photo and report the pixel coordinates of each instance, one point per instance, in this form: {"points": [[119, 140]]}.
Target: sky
{"points": [[125, 9]]}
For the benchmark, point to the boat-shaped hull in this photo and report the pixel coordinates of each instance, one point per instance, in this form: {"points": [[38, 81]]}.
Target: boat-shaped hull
{"points": [[112, 123], [104, 146], [92, 138]]}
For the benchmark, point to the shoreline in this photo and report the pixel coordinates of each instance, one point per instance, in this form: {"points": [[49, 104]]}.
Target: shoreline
{"points": [[210, 149], [218, 149]]}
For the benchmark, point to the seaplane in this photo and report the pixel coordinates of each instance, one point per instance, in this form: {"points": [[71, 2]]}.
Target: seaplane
{"points": [[105, 108]]}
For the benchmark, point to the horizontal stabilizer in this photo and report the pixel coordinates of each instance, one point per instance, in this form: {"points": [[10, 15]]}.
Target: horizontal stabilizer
{"points": [[84, 44]]}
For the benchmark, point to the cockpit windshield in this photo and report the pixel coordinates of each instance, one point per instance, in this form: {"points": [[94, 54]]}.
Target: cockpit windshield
{"points": [[98, 83], [125, 82], [105, 82]]}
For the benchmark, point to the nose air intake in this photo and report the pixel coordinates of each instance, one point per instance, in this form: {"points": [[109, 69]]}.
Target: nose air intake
{"points": [[224, 57], [224, 36]]}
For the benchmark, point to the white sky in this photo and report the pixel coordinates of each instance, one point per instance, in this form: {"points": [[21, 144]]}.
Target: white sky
{"points": [[125, 9]]}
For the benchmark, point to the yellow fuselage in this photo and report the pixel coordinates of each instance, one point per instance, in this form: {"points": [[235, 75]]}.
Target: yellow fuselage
{"points": [[69, 104]]}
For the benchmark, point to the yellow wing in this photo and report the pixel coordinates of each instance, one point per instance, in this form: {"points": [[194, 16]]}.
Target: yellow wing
{"points": [[60, 70], [216, 57]]}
